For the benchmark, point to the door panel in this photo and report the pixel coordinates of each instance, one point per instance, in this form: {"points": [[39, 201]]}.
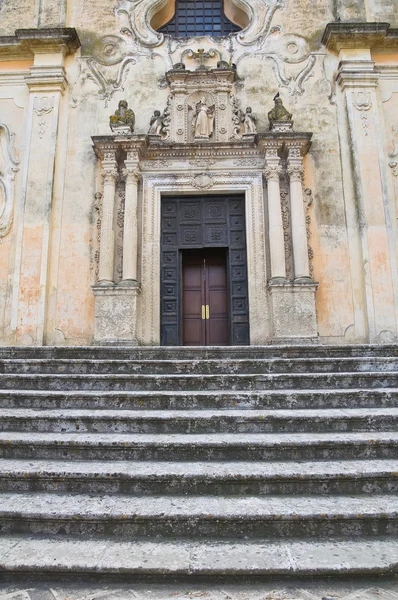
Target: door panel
{"points": [[205, 298], [217, 329], [192, 302]]}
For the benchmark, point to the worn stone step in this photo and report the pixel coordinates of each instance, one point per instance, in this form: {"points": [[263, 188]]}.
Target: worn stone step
{"points": [[212, 447], [194, 353], [206, 366], [199, 382], [195, 558], [200, 478], [198, 421], [200, 400], [199, 516]]}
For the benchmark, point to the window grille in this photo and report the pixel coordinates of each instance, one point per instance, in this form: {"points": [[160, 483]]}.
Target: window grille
{"points": [[197, 18]]}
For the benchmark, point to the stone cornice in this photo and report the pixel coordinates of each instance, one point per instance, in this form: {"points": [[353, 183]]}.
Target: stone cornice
{"points": [[119, 144], [359, 35], [27, 42], [255, 147]]}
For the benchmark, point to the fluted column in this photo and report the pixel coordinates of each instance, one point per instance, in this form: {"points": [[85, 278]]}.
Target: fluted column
{"points": [[297, 209], [276, 234], [130, 232], [107, 234]]}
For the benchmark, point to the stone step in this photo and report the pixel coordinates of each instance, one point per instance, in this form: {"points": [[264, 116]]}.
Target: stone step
{"points": [[195, 558], [205, 366], [196, 447], [196, 353], [200, 478], [129, 517], [199, 382], [200, 400], [198, 421]]}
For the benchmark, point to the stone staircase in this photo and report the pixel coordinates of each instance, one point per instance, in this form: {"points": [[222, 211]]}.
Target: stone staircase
{"points": [[199, 463]]}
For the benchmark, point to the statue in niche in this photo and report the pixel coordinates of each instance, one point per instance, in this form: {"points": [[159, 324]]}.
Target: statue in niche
{"points": [[203, 120], [249, 122], [123, 119], [279, 114], [156, 124]]}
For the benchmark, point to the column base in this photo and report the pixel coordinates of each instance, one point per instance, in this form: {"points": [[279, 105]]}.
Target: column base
{"points": [[116, 314], [293, 311]]}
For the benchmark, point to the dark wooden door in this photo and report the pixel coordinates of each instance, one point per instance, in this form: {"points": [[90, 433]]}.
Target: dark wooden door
{"points": [[205, 299], [204, 223]]}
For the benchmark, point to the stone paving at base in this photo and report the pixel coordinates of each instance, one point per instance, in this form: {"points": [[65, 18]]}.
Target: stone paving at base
{"points": [[365, 590]]}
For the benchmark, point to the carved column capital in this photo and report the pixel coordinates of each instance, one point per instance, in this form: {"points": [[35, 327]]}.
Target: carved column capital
{"points": [[132, 174], [295, 172], [109, 175], [272, 172]]}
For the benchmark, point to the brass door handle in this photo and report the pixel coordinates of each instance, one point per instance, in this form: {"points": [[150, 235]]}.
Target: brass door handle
{"points": [[207, 311], [203, 312]]}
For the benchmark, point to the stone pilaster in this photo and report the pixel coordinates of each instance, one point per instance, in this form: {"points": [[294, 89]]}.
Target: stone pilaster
{"points": [[368, 212], [47, 83], [107, 234], [358, 84], [295, 170], [272, 174]]}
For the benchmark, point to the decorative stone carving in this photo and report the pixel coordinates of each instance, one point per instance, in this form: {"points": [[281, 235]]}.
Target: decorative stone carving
{"points": [[202, 181], [200, 106], [249, 122], [8, 169], [279, 118], [123, 121], [203, 120], [295, 85], [140, 13], [394, 154], [202, 56], [156, 124], [362, 101]]}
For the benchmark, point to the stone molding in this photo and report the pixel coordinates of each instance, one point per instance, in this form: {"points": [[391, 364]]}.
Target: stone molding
{"points": [[338, 36], [28, 42]]}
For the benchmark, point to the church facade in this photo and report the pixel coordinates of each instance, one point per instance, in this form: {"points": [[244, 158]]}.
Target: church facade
{"points": [[185, 172]]}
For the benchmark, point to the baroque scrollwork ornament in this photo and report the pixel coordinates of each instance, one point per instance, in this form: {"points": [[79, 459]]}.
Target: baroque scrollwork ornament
{"points": [[9, 166]]}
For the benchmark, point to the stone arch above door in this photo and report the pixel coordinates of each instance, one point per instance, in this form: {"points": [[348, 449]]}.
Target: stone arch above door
{"points": [[146, 16]]}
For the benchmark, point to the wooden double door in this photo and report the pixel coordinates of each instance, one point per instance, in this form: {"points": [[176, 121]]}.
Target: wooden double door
{"points": [[203, 271], [205, 319]]}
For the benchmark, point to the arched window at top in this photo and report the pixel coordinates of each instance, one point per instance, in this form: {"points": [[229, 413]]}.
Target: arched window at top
{"points": [[198, 18]]}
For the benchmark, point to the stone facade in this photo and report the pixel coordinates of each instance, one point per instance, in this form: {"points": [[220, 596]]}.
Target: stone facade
{"points": [[80, 203]]}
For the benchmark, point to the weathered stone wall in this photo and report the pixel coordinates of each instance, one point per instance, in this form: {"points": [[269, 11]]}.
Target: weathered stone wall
{"points": [[50, 256]]}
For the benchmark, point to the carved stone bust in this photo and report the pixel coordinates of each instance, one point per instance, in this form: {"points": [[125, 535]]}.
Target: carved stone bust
{"points": [[123, 120], [279, 114]]}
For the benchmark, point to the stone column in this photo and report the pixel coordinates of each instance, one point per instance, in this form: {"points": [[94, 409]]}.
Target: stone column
{"points": [[107, 234], [297, 210], [130, 232], [275, 228]]}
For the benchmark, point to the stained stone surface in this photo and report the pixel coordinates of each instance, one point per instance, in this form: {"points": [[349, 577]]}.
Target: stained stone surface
{"points": [[347, 590]]}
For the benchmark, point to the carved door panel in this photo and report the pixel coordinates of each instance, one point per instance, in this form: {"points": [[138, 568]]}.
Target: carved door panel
{"points": [[192, 222]]}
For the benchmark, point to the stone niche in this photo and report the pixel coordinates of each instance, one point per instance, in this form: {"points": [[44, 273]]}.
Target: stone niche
{"points": [[203, 143]]}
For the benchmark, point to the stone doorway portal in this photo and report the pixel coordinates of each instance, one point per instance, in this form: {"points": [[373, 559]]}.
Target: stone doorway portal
{"points": [[205, 311], [214, 227]]}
